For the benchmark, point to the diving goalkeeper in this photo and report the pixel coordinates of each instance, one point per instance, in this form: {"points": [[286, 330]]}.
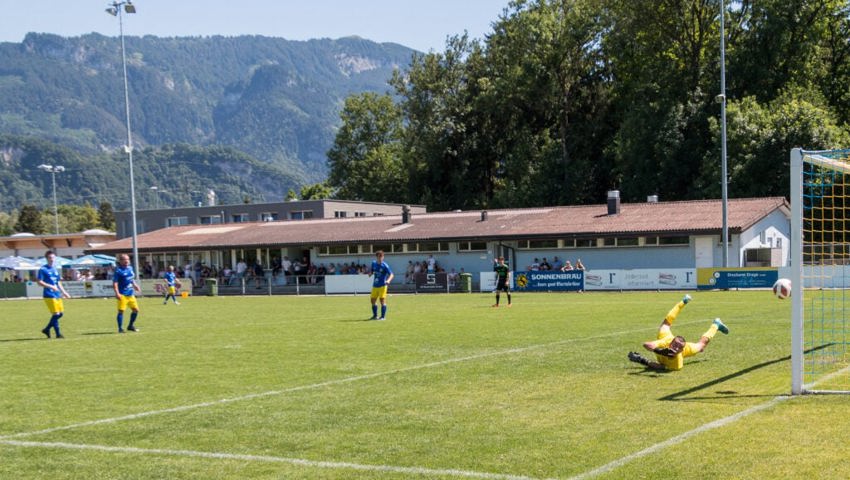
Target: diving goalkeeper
{"points": [[670, 351]]}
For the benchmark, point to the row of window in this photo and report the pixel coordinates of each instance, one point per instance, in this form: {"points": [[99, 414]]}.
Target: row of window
{"points": [[435, 247], [603, 242], [426, 247]]}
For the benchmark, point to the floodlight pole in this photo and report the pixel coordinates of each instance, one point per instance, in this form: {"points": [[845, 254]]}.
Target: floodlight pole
{"points": [[116, 9], [723, 173], [53, 170]]}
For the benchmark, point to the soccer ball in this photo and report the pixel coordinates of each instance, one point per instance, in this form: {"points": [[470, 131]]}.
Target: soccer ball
{"points": [[782, 288]]}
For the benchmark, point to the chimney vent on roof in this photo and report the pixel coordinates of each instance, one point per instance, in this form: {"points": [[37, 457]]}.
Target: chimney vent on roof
{"points": [[613, 202], [405, 214], [652, 199], [484, 215]]}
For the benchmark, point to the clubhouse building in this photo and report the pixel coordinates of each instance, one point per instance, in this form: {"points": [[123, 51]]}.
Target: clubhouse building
{"points": [[645, 235]]}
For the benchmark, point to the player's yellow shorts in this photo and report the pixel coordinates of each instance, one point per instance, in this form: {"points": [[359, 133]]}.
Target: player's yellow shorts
{"points": [[379, 292], [172, 290], [125, 301], [54, 305]]}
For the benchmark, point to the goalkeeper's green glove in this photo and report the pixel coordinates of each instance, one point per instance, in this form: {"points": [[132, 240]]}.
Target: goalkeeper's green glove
{"points": [[638, 358]]}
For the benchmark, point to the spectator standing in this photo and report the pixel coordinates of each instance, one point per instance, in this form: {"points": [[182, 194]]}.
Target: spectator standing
{"points": [[241, 269], [286, 266], [432, 264]]}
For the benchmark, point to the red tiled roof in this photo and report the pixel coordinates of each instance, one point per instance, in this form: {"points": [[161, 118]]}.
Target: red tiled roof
{"points": [[684, 217]]}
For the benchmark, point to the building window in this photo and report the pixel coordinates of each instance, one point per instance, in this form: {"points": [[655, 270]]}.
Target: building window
{"points": [[386, 247], [339, 214], [268, 216], [472, 246], [359, 214], [301, 215], [537, 244], [673, 240], [240, 218], [210, 219], [338, 250], [174, 221], [628, 242], [428, 247], [585, 242]]}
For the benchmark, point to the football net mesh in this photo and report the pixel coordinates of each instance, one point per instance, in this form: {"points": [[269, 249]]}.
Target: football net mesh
{"points": [[821, 242]]}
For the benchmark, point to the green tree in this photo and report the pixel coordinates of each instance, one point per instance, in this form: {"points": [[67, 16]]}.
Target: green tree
{"points": [[291, 195], [760, 140], [365, 159], [7, 223], [75, 218], [447, 150], [663, 56], [549, 75], [29, 220], [106, 216], [317, 191]]}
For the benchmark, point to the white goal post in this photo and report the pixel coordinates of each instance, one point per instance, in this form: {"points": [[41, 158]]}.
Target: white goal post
{"points": [[820, 271]]}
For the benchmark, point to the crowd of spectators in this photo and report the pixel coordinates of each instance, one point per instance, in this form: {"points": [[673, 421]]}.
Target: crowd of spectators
{"points": [[555, 265]]}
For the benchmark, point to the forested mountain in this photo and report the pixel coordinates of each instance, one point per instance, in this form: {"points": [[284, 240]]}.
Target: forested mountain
{"points": [[181, 173], [277, 101]]}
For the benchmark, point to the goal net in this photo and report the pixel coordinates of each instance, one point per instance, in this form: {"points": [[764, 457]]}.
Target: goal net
{"points": [[820, 262]]}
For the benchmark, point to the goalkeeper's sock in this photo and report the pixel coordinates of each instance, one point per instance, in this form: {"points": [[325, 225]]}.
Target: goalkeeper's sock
{"points": [[674, 312], [712, 330]]}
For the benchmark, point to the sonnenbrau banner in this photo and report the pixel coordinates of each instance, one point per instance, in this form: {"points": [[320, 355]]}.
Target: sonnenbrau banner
{"points": [[725, 278], [549, 281]]}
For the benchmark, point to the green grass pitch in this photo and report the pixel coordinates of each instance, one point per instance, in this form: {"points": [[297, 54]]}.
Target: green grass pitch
{"points": [[447, 387]]}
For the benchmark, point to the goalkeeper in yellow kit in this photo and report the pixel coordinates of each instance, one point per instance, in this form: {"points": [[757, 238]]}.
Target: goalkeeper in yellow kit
{"points": [[670, 351]]}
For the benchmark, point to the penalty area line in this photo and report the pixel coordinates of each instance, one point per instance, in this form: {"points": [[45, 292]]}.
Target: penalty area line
{"points": [[679, 439], [428, 472], [328, 383]]}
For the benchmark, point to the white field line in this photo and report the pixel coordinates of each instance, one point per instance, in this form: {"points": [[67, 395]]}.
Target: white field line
{"points": [[426, 472], [703, 428], [328, 383], [678, 439]]}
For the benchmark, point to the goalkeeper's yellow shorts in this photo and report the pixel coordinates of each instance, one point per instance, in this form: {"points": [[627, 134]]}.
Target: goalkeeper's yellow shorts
{"points": [[172, 290], [54, 305], [125, 301]]}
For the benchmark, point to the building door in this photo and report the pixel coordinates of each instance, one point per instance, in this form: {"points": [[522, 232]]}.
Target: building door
{"points": [[704, 254]]}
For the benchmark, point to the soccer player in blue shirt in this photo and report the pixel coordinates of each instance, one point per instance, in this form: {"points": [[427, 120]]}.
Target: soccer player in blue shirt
{"points": [[125, 286], [383, 275], [171, 285], [50, 278]]}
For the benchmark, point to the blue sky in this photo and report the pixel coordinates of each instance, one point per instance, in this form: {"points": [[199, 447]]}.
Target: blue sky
{"points": [[420, 24]]}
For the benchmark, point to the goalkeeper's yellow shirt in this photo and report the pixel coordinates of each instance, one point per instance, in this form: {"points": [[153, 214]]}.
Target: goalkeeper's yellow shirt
{"points": [[677, 362]]}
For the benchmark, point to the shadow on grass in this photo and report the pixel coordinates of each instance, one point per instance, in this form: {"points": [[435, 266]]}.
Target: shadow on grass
{"points": [[730, 393], [23, 339]]}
